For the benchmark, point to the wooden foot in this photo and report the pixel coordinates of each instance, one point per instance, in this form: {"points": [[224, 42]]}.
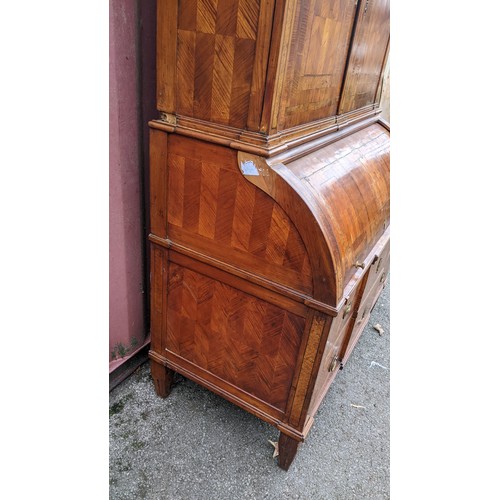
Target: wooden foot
{"points": [[287, 448], [162, 378]]}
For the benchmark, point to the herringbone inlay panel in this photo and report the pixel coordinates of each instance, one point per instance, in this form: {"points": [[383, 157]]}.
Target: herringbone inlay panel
{"points": [[243, 340], [211, 36]]}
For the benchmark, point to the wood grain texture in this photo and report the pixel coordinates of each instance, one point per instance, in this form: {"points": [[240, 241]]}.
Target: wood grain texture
{"points": [[338, 198], [266, 350], [288, 192], [278, 57], [159, 264], [215, 59], [158, 183], [260, 68], [297, 299], [166, 54], [368, 52], [306, 375], [316, 61], [371, 288], [329, 367], [218, 65], [247, 342], [346, 329], [186, 70], [350, 181], [269, 198], [214, 209], [230, 278], [331, 361], [162, 378], [287, 447]]}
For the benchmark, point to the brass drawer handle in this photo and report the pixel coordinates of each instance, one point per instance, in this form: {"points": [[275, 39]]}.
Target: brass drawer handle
{"points": [[378, 265], [360, 265], [382, 278], [333, 363], [347, 310]]}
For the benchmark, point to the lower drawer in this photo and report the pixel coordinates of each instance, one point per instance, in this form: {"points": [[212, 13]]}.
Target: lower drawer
{"points": [[370, 298], [330, 364], [362, 315], [357, 329], [378, 270]]}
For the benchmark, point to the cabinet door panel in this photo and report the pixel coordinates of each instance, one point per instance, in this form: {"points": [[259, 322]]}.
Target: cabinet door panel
{"points": [[316, 61], [366, 61]]}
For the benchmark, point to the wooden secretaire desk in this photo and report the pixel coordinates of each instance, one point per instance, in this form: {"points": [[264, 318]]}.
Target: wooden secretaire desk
{"points": [[269, 171]]}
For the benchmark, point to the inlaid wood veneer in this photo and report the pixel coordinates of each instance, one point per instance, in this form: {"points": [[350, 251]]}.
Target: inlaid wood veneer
{"points": [[269, 198]]}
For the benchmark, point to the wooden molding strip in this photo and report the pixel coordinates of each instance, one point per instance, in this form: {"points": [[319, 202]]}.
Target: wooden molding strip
{"points": [[197, 371], [314, 133], [166, 48], [217, 134], [304, 149], [384, 124], [271, 285], [247, 276]]}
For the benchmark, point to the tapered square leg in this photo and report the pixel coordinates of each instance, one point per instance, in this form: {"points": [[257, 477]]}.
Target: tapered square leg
{"points": [[287, 447], [162, 378]]}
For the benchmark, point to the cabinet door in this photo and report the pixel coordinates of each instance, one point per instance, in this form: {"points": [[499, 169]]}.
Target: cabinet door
{"points": [[316, 60], [367, 56]]}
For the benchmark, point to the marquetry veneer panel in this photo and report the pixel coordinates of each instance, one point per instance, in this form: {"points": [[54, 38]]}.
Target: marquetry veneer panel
{"points": [[366, 61], [216, 46], [214, 209], [241, 339], [316, 62]]}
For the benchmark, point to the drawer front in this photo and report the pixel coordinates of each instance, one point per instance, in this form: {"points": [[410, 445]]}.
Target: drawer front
{"points": [[330, 364], [371, 295], [347, 311], [375, 283], [379, 268], [357, 329], [332, 356]]}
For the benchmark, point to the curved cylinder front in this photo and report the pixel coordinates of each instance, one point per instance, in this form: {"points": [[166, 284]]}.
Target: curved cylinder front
{"points": [[347, 185]]}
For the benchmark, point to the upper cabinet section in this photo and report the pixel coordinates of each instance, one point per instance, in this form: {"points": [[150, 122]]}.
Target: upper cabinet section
{"points": [[367, 58], [258, 75]]}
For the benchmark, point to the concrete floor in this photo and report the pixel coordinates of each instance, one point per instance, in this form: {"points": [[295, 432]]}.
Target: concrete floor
{"points": [[195, 445]]}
